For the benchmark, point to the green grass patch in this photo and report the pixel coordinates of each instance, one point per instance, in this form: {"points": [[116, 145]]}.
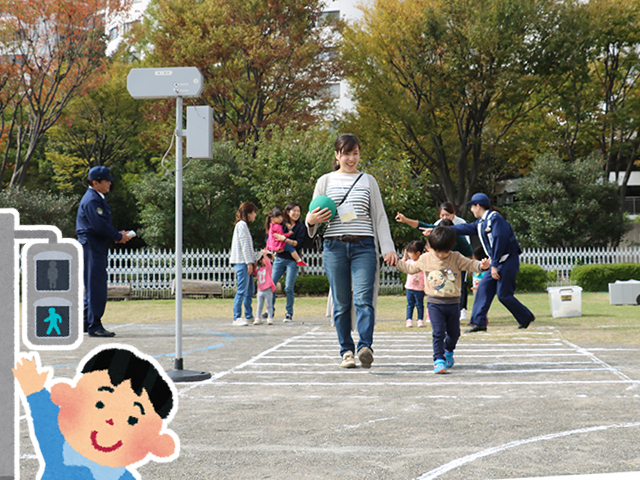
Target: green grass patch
{"points": [[600, 323]]}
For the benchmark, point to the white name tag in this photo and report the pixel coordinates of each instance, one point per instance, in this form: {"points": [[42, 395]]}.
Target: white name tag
{"points": [[347, 212]]}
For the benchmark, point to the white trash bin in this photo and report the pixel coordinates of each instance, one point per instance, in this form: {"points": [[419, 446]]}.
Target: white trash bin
{"points": [[624, 292], [565, 301]]}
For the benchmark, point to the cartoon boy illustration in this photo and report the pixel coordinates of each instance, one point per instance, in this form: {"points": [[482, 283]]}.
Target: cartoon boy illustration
{"points": [[106, 422]]}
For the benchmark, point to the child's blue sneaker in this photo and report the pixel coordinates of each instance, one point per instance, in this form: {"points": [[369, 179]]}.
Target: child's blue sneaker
{"points": [[438, 366], [448, 359]]}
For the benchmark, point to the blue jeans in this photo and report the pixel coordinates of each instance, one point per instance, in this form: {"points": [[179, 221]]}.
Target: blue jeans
{"points": [[244, 294], [279, 267], [351, 268], [445, 326], [415, 298]]}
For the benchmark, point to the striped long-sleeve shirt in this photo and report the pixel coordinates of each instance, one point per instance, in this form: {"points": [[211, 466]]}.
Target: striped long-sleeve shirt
{"points": [[242, 244]]}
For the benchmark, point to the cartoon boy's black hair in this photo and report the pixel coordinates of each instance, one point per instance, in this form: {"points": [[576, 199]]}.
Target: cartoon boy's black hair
{"points": [[124, 365]]}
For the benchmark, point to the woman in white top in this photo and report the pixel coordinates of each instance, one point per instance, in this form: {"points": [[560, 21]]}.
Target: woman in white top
{"points": [[243, 259], [352, 240]]}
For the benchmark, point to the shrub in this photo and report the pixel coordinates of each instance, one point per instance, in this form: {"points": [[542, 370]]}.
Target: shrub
{"points": [[312, 285], [37, 207], [596, 278], [530, 278]]}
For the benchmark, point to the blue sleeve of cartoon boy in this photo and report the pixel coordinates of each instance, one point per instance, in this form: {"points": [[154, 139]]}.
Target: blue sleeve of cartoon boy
{"points": [[44, 416]]}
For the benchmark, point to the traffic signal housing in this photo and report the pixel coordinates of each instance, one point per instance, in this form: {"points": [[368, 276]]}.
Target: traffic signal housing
{"points": [[52, 300]]}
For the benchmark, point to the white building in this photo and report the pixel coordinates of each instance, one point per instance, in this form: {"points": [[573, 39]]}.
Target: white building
{"points": [[118, 27], [348, 11]]}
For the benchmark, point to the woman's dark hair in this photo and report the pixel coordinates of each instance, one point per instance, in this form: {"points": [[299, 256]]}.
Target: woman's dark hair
{"points": [[445, 222], [448, 207], [275, 212], [442, 239], [244, 210], [290, 206], [345, 143], [416, 246]]}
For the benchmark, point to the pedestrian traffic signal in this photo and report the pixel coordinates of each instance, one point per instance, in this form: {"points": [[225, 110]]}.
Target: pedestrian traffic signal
{"points": [[52, 295]]}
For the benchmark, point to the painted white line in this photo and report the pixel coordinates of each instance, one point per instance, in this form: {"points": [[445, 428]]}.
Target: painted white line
{"points": [[595, 359], [542, 365], [425, 367], [596, 476], [242, 365], [518, 443], [438, 384]]}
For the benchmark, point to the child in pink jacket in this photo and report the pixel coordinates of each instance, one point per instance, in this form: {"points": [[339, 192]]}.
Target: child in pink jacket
{"points": [[266, 287], [272, 226]]}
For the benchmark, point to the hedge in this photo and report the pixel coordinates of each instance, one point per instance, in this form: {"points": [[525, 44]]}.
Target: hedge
{"points": [[311, 285], [530, 278], [596, 278]]}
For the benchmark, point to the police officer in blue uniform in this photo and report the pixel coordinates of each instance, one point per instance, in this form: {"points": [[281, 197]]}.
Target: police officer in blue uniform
{"points": [[95, 232], [500, 244]]}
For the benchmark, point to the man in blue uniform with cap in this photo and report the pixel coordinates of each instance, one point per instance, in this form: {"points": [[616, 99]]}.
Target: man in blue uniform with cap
{"points": [[95, 232], [500, 244]]}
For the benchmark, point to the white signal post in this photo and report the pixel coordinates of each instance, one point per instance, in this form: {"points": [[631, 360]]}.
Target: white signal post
{"points": [[178, 83]]}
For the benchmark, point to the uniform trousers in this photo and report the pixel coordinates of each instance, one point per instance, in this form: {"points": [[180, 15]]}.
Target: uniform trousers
{"points": [[504, 288]]}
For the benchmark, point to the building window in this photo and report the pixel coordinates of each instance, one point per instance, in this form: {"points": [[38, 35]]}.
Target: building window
{"points": [[328, 17], [332, 91]]}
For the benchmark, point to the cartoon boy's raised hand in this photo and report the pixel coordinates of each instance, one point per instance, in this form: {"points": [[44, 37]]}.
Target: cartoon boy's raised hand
{"points": [[30, 376]]}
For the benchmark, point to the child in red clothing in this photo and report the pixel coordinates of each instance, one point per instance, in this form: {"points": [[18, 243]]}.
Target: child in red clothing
{"points": [[273, 227], [266, 287]]}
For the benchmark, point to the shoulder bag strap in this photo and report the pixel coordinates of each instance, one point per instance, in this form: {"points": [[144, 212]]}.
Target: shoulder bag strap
{"points": [[350, 188]]}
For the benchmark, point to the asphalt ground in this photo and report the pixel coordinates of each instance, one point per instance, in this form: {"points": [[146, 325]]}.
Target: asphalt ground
{"points": [[278, 405]]}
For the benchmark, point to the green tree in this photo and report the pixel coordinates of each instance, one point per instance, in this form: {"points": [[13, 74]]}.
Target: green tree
{"points": [[102, 127], [57, 48], [615, 73], [566, 204], [105, 126], [265, 62], [210, 201], [285, 166], [445, 81], [37, 207]]}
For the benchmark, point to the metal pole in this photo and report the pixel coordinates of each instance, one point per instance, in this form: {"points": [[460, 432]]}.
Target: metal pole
{"points": [[178, 360], [178, 374], [8, 343]]}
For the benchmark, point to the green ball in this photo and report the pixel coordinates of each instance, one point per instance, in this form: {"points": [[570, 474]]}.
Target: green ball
{"points": [[323, 202]]}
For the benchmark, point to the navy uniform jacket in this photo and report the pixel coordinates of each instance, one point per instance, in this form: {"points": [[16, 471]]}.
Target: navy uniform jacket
{"points": [[93, 223], [496, 236]]}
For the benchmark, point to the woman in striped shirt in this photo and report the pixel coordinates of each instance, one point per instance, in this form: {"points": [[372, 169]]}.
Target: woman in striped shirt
{"points": [[352, 240], [243, 259]]}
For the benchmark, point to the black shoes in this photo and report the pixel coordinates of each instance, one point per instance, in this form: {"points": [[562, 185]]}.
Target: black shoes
{"points": [[528, 322], [477, 328], [102, 333]]}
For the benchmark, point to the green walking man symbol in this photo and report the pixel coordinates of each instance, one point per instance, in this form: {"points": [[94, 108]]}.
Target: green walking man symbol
{"points": [[53, 320]]}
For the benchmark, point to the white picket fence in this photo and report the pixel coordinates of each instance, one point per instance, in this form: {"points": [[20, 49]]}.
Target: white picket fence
{"points": [[151, 271]]}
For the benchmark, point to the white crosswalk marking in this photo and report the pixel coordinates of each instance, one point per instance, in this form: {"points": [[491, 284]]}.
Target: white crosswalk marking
{"points": [[313, 359]]}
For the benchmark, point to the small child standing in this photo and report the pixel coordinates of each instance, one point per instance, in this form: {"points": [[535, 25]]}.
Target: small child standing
{"points": [[272, 226], [478, 254], [415, 284], [266, 287], [442, 268]]}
